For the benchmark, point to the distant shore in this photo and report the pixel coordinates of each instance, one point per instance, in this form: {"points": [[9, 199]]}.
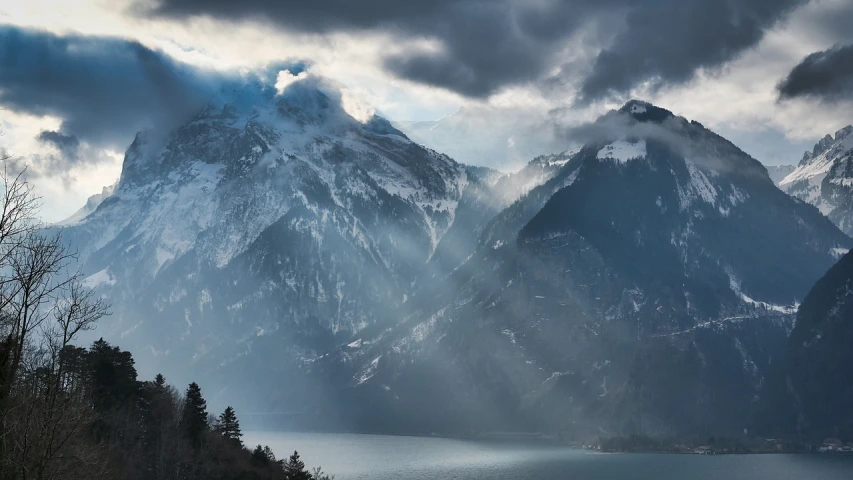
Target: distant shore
{"points": [[692, 445], [716, 445]]}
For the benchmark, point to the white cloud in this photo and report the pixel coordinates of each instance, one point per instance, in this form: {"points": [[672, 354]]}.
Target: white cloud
{"points": [[357, 107], [285, 78]]}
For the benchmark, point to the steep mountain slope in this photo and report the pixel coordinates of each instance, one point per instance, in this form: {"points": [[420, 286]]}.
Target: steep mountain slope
{"points": [[481, 203], [91, 205], [639, 290], [820, 355], [268, 219], [246, 244], [824, 178]]}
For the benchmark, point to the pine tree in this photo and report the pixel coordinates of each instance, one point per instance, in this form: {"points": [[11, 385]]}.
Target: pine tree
{"points": [[229, 426], [113, 376], [194, 421], [294, 468], [259, 456], [157, 414], [268, 453]]}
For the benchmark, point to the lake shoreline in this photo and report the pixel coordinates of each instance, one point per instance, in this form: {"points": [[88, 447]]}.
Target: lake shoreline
{"points": [[747, 446]]}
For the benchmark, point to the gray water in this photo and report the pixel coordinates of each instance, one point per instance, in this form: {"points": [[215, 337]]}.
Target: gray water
{"points": [[380, 457]]}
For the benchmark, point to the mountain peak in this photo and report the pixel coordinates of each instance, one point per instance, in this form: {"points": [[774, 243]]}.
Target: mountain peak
{"points": [[822, 144], [645, 111], [843, 133], [635, 105], [826, 143], [822, 178], [257, 122]]}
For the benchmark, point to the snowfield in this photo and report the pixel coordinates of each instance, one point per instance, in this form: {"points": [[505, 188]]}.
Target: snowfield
{"points": [[623, 150]]}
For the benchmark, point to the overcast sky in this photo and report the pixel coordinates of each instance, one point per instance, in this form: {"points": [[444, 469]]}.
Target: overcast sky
{"points": [[79, 78]]}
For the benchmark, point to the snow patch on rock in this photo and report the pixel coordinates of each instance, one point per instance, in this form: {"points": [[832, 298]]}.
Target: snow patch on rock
{"points": [[622, 151]]}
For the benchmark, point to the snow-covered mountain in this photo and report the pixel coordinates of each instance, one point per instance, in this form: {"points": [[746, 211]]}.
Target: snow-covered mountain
{"points": [[267, 217], [824, 178], [92, 203], [309, 263], [627, 293]]}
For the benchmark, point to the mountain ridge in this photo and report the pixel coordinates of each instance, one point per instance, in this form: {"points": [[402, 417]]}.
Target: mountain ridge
{"points": [[391, 288], [556, 308], [824, 178]]}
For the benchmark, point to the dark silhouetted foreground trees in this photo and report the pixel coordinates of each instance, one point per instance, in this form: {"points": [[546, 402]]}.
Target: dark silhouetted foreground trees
{"points": [[70, 413], [95, 420]]}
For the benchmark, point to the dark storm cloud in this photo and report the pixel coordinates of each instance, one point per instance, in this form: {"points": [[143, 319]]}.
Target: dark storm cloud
{"points": [[67, 144], [485, 44], [59, 164], [666, 41], [103, 89], [827, 75], [489, 44]]}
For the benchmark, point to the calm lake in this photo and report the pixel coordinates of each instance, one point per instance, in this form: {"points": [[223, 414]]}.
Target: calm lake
{"points": [[380, 457]]}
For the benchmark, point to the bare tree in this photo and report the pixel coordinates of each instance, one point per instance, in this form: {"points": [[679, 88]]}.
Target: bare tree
{"points": [[38, 277], [64, 413], [43, 307], [17, 223]]}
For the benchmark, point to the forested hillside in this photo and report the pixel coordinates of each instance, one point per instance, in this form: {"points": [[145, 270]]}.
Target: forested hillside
{"points": [[68, 412], [820, 356]]}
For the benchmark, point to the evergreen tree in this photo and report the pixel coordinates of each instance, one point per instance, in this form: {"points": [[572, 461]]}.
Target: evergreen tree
{"points": [[113, 376], [294, 468], [194, 420], [268, 452], [156, 414], [259, 457], [160, 381], [229, 426]]}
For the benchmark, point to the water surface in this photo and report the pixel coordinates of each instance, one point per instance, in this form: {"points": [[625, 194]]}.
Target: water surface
{"points": [[381, 457]]}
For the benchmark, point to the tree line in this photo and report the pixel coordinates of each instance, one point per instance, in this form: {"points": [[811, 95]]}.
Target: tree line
{"points": [[68, 412]]}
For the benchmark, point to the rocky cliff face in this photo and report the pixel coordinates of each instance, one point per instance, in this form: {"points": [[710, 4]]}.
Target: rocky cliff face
{"points": [[824, 178]]}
